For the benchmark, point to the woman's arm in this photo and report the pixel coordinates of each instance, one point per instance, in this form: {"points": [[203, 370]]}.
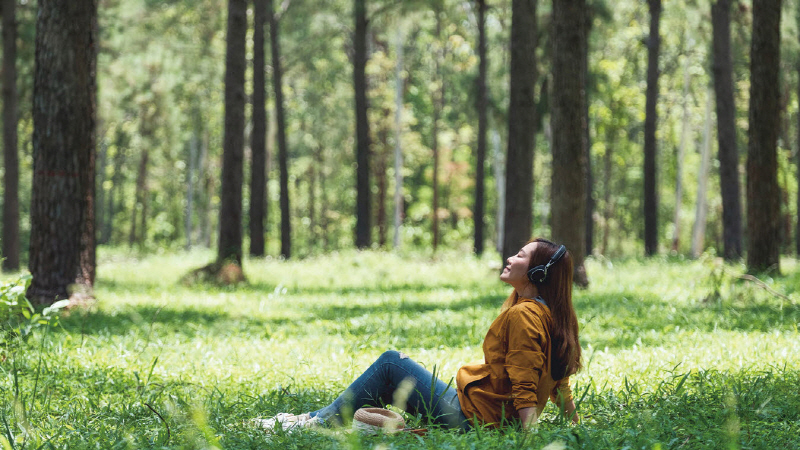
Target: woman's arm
{"points": [[569, 410], [528, 417]]}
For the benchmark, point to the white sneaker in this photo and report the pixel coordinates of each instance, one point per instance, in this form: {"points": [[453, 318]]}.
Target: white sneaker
{"points": [[287, 422]]}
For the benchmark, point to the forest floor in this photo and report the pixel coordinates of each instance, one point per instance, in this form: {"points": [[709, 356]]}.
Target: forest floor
{"points": [[678, 354]]}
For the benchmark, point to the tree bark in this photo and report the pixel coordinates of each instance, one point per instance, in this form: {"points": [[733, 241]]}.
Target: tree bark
{"points": [[569, 171], [480, 161], [650, 122], [229, 247], [11, 249], [763, 193], [363, 201], [521, 126], [258, 145], [64, 107], [283, 151], [726, 131]]}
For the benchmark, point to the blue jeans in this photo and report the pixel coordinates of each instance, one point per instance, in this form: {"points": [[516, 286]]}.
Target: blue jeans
{"points": [[424, 394]]}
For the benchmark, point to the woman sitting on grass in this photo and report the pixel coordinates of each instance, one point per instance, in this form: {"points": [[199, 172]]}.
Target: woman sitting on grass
{"points": [[530, 351]]}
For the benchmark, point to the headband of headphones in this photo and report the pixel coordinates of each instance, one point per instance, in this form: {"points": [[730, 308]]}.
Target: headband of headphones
{"points": [[538, 274]]}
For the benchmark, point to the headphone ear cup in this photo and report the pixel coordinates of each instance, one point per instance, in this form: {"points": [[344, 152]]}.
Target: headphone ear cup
{"points": [[537, 274]]}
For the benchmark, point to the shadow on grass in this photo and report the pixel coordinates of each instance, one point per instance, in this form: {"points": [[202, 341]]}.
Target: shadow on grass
{"points": [[634, 315], [146, 318], [399, 316]]}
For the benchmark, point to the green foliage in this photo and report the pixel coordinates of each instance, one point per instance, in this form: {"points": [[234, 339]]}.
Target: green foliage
{"points": [[157, 364], [18, 318]]}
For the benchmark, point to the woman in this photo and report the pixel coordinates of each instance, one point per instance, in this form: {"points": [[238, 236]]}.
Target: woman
{"points": [[530, 351]]}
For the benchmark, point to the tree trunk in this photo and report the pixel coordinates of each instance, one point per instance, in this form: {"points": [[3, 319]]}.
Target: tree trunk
{"points": [[591, 203], [500, 183], [323, 195], [258, 145], [140, 200], [438, 101], [726, 131], [312, 208], [64, 108], [521, 123], [797, 230], [699, 228], [480, 161], [763, 193], [208, 190], [283, 151], [676, 233], [190, 189], [568, 188], [398, 153], [383, 183], [116, 188], [608, 207], [100, 179], [363, 201], [10, 251], [650, 122], [229, 247]]}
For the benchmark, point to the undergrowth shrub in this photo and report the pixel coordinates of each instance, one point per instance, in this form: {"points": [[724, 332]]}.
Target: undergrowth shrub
{"points": [[18, 318]]}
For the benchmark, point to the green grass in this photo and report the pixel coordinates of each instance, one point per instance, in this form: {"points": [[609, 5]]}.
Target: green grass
{"points": [[678, 354]]}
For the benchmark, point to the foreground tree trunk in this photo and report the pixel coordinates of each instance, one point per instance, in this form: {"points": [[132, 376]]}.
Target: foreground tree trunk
{"points": [[10, 250], [363, 201], [569, 171], [797, 230], [763, 193], [62, 254], [230, 213], [258, 143], [283, 151], [650, 121], [726, 132], [521, 126], [480, 161]]}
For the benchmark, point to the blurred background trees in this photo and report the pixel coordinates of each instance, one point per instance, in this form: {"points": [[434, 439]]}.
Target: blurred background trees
{"points": [[451, 114]]}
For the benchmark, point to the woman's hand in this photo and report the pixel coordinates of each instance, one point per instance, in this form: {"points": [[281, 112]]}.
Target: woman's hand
{"points": [[569, 410]]}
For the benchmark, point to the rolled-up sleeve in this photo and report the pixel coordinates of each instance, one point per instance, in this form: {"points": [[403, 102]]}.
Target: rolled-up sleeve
{"points": [[525, 358]]}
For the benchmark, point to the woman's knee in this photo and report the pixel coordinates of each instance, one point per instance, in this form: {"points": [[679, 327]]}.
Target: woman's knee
{"points": [[392, 356]]}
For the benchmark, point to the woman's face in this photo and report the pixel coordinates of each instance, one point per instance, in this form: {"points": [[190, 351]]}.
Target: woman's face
{"points": [[516, 271]]}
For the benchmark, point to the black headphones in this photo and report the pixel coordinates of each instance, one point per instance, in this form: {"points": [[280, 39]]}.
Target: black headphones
{"points": [[538, 274]]}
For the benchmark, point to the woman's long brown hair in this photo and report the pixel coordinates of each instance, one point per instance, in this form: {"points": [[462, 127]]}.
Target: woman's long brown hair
{"points": [[556, 290]]}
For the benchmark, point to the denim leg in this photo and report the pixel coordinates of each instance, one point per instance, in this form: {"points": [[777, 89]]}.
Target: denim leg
{"points": [[429, 396]]}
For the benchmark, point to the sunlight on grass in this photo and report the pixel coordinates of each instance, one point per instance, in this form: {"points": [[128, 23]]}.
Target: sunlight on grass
{"points": [[206, 358]]}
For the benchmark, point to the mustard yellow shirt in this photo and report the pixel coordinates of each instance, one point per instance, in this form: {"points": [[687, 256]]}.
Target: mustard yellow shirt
{"points": [[516, 369]]}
